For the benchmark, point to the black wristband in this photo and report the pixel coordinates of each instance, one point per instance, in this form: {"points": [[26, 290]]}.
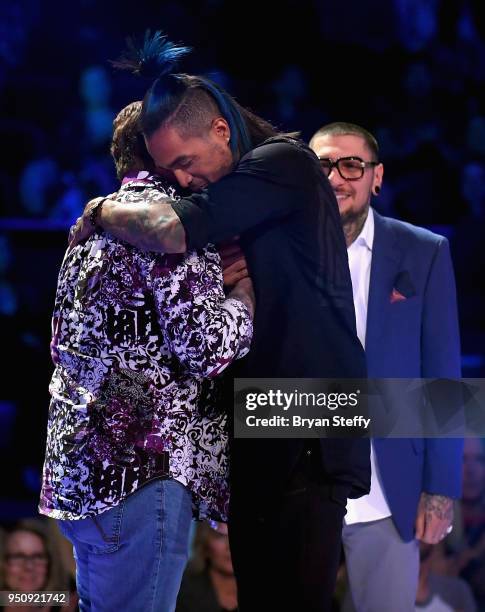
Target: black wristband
{"points": [[95, 210]]}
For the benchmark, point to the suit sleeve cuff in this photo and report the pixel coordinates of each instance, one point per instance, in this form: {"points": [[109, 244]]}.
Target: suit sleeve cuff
{"points": [[194, 220]]}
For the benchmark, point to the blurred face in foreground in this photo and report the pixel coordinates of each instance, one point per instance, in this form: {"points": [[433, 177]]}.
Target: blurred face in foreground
{"points": [[26, 562], [218, 552]]}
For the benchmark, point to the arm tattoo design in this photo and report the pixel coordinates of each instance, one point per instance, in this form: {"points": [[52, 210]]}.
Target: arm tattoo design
{"points": [[149, 227], [438, 505]]}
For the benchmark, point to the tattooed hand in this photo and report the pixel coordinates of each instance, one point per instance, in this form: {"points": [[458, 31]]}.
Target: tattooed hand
{"points": [[434, 518], [83, 228]]}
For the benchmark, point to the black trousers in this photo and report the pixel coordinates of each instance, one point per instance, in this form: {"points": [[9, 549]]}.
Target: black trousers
{"points": [[286, 552]]}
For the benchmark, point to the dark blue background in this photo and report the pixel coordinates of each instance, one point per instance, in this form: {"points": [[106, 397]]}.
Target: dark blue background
{"points": [[410, 71]]}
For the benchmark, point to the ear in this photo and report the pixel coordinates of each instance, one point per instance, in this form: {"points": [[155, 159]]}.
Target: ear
{"points": [[378, 177], [220, 127]]}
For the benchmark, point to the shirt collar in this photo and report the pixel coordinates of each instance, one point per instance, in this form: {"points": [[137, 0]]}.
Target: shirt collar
{"points": [[142, 175]]}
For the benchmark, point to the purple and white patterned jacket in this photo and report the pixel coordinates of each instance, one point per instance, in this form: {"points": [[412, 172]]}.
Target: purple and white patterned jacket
{"points": [[139, 338]]}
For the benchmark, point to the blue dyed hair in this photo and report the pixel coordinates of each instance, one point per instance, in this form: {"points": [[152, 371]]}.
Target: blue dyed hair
{"points": [[154, 58], [187, 102], [231, 113]]}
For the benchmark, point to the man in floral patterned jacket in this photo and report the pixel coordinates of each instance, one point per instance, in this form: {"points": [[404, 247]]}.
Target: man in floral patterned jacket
{"points": [[134, 445]]}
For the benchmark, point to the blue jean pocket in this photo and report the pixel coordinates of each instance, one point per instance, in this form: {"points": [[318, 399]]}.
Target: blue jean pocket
{"points": [[101, 533]]}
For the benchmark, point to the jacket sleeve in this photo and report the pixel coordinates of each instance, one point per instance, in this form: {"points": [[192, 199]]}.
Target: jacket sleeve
{"points": [[205, 330], [441, 359], [268, 184]]}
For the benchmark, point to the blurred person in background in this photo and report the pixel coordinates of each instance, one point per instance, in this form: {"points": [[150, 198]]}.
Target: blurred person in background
{"points": [[30, 560], [209, 584], [469, 553], [437, 592]]}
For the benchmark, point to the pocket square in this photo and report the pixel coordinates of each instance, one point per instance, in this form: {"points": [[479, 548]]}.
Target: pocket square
{"points": [[396, 296], [403, 287]]}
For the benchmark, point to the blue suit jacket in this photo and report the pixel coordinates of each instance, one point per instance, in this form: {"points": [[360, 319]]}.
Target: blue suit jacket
{"points": [[412, 338]]}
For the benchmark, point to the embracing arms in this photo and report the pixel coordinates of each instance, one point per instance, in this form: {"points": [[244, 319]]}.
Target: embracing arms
{"points": [[267, 185], [150, 226]]}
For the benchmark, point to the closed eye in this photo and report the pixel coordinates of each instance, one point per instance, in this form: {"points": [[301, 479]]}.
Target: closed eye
{"points": [[184, 164]]}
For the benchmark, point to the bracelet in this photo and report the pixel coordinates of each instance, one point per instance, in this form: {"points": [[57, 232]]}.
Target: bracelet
{"points": [[95, 210]]}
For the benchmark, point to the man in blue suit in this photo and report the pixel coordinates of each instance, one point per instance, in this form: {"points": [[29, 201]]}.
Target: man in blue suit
{"points": [[405, 303]]}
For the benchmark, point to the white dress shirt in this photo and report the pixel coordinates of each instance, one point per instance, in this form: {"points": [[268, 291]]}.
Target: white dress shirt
{"points": [[374, 506]]}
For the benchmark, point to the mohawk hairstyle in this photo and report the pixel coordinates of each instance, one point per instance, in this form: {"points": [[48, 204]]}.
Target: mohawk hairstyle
{"points": [[187, 102], [154, 58]]}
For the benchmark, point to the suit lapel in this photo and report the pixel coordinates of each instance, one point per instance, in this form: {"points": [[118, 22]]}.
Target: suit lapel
{"points": [[386, 257]]}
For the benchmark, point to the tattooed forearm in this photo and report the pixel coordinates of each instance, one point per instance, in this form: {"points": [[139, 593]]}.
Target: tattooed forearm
{"points": [[438, 506], [150, 227]]}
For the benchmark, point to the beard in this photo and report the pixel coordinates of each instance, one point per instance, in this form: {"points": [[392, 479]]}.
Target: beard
{"points": [[352, 217]]}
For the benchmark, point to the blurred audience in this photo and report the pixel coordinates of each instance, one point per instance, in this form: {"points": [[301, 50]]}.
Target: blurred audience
{"points": [[208, 584], [437, 592], [469, 257], [31, 560], [460, 558], [58, 157], [469, 560]]}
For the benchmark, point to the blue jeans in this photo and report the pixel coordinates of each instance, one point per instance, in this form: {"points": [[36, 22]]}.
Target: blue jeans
{"points": [[132, 557]]}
